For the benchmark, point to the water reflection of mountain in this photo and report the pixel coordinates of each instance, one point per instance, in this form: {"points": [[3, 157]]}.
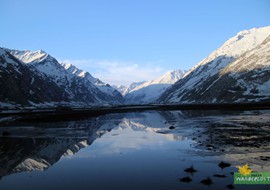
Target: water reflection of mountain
{"points": [[240, 137], [38, 146], [150, 122]]}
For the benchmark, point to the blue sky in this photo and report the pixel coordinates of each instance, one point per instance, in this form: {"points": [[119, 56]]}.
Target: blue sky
{"points": [[121, 41]]}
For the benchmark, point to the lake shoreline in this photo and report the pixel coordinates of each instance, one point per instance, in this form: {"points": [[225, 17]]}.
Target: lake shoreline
{"points": [[62, 113]]}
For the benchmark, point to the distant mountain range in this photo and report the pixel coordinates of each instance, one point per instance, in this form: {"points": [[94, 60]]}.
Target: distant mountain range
{"points": [[238, 71], [126, 89], [147, 92]]}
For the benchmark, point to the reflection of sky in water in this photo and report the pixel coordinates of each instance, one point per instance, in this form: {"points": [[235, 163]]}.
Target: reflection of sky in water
{"points": [[134, 155], [121, 141], [138, 159]]}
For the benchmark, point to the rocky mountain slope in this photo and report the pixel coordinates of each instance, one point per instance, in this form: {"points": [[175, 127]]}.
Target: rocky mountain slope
{"points": [[111, 93], [236, 72], [22, 84], [36, 78]]}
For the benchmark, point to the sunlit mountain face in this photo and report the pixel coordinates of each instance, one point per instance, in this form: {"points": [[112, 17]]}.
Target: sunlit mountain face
{"points": [[238, 71]]}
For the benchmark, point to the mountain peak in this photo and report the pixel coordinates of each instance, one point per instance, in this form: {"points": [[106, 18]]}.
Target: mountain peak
{"points": [[170, 77], [28, 56], [243, 41]]}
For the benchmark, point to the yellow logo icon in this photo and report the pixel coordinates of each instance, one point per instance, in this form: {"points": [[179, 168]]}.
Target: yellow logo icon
{"points": [[244, 170]]}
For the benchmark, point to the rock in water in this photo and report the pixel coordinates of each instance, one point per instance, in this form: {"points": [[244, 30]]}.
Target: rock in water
{"points": [[223, 165], [185, 179], [219, 175], [190, 170], [207, 181], [171, 127]]}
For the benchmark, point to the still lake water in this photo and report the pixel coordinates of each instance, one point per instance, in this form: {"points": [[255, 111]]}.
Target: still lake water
{"points": [[140, 150]]}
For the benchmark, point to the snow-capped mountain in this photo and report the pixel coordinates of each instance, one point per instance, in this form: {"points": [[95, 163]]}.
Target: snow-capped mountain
{"points": [[126, 89], [236, 72], [63, 84], [150, 91], [23, 84]]}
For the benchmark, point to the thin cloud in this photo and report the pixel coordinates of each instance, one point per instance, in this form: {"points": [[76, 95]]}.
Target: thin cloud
{"points": [[119, 72]]}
